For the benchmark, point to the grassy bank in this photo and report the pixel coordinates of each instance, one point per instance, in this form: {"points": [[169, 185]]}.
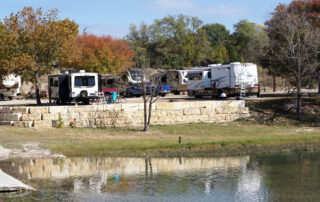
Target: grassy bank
{"points": [[197, 139]]}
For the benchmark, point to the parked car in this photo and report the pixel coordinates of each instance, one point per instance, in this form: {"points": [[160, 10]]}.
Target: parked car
{"points": [[160, 90], [133, 91]]}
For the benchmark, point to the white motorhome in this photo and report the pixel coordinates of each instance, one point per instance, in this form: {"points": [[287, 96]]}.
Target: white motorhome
{"points": [[229, 79], [75, 86], [10, 86]]}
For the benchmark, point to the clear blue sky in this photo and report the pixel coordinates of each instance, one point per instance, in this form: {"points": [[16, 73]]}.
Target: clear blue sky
{"points": [[113, 17]]}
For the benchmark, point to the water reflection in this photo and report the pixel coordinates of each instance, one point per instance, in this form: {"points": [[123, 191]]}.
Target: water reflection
{"points": [[165, 179], [70, 167]]}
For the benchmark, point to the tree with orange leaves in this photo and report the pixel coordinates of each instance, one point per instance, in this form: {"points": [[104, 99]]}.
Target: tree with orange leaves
{"points": [[32, 42], [103, 54]]}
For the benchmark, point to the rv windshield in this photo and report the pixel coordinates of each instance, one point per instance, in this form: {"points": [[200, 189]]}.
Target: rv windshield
{"points": [[84, 81], [136, 75]]}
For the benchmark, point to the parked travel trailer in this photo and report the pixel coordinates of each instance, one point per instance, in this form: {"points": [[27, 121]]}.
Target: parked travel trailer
{"points": [[119, 83], [10, 87], [133, 76], [233, 79], [176, 79], [78, 86]]}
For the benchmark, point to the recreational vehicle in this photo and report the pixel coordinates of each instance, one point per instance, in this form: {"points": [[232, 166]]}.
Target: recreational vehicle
{"points": [[10, 87], [233, 79], [176, 79], [119, 83], [69, 86]]}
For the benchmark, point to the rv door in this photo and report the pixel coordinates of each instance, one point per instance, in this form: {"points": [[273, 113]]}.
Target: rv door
{"points": [[64, 87], [206, 75]]}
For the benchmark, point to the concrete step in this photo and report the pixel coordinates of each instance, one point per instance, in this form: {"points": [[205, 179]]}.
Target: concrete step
{"points": [[8, 183]]}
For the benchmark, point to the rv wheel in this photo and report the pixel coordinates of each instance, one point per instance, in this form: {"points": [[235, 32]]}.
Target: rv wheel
{"points": [[10, 98], [83, 94]]}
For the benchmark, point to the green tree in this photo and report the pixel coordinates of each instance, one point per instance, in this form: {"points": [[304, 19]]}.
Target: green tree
{"points": [[169, 42], [218, 36], [247, 42], [40, 40]]}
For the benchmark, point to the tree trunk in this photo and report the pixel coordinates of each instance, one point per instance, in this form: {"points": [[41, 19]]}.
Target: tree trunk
{"points": [[299, 101], [37, 89], [274, 84], [150, 110], [318, 85], [145, 121]]}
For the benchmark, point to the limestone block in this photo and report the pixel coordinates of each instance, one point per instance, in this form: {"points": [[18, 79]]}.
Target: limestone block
{"points": [[38, 110], [75, 110], [83, 123], [232, 117], [96, 108], [14, 117], [159, 112], [87, 115], [5, 110], [92, 122], [42, 124], [191, 111], [205, 111], [167, 106], [174, 112], [23, 124], [217, 117], [221, 110], [135, 114], [202, 118], [22, 110], [130, 107], [178, 118], [49, 116], [128, 121], [187, 119], [232, 110], [3, 116], [7, 123], [31, 117], [58, 109], [103, 122], [74, 115], [244, 110]]}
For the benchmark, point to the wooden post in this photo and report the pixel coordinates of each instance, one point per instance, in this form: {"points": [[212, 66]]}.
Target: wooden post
{"points": [[214, 87]]}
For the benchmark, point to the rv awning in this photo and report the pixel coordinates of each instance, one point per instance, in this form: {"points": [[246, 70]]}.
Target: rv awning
{"points": [[193, 74]]}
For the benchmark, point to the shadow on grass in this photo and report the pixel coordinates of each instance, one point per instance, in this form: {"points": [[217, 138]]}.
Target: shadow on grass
{"points": [[283, 110]]}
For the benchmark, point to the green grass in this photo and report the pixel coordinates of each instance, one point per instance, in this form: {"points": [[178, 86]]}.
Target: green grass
{"points": [[197, 139]]}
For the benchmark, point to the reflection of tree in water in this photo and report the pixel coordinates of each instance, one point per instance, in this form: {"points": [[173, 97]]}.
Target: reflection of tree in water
{"points": [[292, 177]]}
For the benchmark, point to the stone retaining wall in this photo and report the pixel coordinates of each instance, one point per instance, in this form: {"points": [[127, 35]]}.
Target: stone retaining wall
{"points": [[123, 114]]}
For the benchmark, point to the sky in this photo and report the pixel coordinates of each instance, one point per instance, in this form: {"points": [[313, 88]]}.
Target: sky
{"points": [[113, 17]]}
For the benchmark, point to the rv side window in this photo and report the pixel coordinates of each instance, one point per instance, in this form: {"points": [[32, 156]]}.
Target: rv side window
{"points": [[56, 83], [164, 79], [209, 75], [110, 81], [84, 81], [51, 82]]}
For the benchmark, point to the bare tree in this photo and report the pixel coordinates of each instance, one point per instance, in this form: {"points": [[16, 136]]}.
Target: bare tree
{"points": [[292, 43], [149, 87]]}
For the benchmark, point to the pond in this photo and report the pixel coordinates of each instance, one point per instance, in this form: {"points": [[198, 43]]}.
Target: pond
{"points": [[292, 177]]}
